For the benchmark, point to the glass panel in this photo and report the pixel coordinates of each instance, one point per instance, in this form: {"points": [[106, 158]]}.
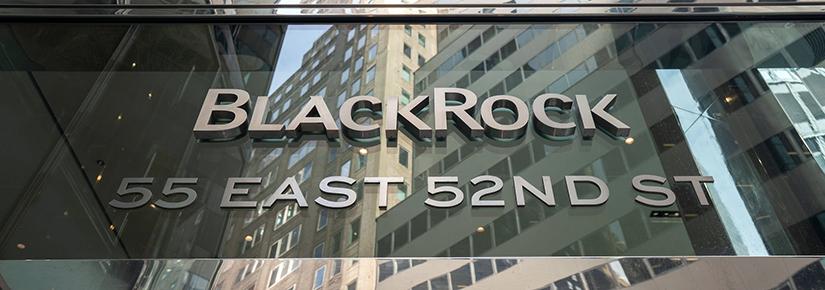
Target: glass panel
{"points": [[114, 111]]}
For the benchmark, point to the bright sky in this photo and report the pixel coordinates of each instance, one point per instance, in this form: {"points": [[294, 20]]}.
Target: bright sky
{"points": [[298, 40]]}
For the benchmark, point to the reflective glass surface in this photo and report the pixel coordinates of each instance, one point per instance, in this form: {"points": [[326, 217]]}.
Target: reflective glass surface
{"points": [[96, 110]]}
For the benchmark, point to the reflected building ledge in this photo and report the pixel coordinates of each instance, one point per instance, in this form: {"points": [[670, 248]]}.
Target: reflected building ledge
{"points": [[405, 273]]}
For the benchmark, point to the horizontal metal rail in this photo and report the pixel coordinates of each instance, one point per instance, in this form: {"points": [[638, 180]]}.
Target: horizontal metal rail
{"points": [[416, 13], [413, 5]]}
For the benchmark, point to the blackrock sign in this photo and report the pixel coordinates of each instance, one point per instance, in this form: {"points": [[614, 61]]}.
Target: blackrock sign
{"points": [[226, 115], [225, 111]]}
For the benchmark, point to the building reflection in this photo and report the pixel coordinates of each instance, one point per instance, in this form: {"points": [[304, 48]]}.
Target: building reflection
{"points": [[623, 59], [577, 273], [703, 99], [437, 274], [344, 61]]}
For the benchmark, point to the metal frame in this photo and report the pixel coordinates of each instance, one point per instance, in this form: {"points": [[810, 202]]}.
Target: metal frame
{"points": [[415, 13]]}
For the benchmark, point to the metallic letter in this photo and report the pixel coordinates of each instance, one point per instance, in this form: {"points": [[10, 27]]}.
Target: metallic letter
{"points": [[204, 130], [168, 190], [314, 118], [230, 190], [326, 188], [697, 181], [602, 117], [571, 180], [432, 190], [257, 128], [547, 197], [462, 114], [407, 117], [476, 200], [548, 127], [296, 195], [670, 197], [383, 184], [496, 130], [353, 129], [124, 189]]}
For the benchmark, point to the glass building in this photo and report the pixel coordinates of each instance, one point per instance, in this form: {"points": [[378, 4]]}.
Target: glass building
{"points": [[412, 145]]}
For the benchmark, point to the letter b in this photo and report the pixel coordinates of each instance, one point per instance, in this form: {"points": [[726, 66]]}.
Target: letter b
{"points": [[212, 119]]}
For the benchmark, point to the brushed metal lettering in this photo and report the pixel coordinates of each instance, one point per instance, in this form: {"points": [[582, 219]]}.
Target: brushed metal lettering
{"points": [[670, 197], [698, 186], [348, 194], [547, 197], [498, 184], [231, 190], [288, 190], [432, 189], [314, 118], [496, 130], [571, 180], [351, 128], [543, 124], [257, 127], [212, 110], [461, 114], [598, 115], [383, 187], [407, 116]]}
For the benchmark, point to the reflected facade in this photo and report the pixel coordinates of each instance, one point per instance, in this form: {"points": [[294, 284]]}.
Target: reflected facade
{"points": [[460, 273], [741, 102]]}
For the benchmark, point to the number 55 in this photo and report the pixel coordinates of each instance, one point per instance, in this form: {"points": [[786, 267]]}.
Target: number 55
{"points": [[146, 194]]}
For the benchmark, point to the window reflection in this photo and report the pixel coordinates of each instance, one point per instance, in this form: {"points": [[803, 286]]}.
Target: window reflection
{"points": [[752, 121]]}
